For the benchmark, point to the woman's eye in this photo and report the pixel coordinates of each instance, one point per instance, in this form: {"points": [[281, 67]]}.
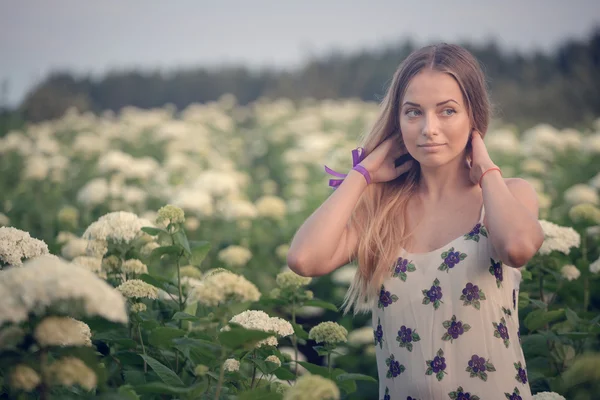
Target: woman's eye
{"points": [[451, 110], [408, 112]]}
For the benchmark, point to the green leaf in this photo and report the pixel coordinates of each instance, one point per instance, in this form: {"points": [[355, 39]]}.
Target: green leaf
{"points": [[127, 392], [299, 331], [526, 274], [259, 394], [239, 337], [164, 373], [315, 369], [537, 319], [164, 250], [322, 304], [163, 336], [152, 231], [184, 317], [572, 317], [161, 283], [284, 374], [162, 388], [199, 250], [181, 239], [355, 377]]}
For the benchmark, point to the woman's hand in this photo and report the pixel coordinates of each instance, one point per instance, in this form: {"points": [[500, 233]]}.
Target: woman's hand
{"points": [[479, 157], [381, 162]]}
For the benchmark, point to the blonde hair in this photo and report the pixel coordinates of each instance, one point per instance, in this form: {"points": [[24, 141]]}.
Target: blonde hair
{"points": [[380, 212]]}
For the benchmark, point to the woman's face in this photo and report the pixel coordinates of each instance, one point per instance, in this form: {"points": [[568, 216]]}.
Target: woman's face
{"points": [[433, 112]]}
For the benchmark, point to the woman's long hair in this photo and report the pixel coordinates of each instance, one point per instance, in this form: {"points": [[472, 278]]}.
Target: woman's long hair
{"points": [[379, 216]]}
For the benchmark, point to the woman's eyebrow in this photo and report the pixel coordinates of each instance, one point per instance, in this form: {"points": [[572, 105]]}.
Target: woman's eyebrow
{"points": [[438, 104]]}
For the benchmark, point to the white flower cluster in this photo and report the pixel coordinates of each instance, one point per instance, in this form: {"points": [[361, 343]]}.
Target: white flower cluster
{"points": [[62, 331], [118, 227], [235, 256], [581, 193], [558, 238], [17, 245], [71, 371], [74, 247], [50, 282], [361, 336], [271, 207], [570, 272], [223, 286], [231, 365], [133, 266], [260, 320], [595, 266], [274, 359], [313, 387], [136, 288], [548, 396], [24, 378]]}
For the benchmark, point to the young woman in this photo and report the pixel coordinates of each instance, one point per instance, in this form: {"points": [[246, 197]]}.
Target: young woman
{"points": [[439, 239]]}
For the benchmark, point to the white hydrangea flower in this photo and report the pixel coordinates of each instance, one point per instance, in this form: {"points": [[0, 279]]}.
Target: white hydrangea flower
{"points": [[533, 166], [74, 248], [313, 387], [260, 320], [271, 207], [591, 144], [558, 238], [63, 331], [594, 182], [90, 263], [138, 307], [224, 286], [50, 282], [502, 141], [235, 209], [136, 288], [274, 359], [595, 266], [361, 336], [24, 378], [581, 193], [235, 256], [5, 221], [570, 272], [17, 245], [281, 251], [70, 371], [548, 396], [231, 365], [93, 193], [345, 275], [133, 266], [147, 249], [119, 227]]}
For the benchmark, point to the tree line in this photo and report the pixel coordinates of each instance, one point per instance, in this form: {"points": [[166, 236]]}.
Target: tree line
{"points": [[561, 88]]}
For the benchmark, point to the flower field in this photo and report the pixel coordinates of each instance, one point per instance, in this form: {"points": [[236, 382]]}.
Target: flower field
{"points": [[143, 255]]}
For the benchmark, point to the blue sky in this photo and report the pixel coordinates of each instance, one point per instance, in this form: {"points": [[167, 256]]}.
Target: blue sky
{"points": [[38, 36]]}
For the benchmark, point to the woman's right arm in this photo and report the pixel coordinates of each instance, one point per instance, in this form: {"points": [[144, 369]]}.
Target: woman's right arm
{"points": [[325, 241]]}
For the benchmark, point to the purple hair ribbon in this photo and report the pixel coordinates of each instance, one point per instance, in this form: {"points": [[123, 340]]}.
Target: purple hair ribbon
{"points": [[358, 155]]}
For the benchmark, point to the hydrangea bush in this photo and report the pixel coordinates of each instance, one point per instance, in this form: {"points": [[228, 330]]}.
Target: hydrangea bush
{"points": [[172, 231]]}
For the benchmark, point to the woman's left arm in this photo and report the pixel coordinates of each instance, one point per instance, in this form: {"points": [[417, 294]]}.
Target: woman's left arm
{"points": [[511, 209]]}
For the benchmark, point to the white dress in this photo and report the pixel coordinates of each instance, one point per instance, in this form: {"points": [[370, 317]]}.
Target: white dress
{"points": [[446, 325]]}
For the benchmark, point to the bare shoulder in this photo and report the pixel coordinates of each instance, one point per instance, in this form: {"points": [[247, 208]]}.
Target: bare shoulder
{"points": [[523, 191]]}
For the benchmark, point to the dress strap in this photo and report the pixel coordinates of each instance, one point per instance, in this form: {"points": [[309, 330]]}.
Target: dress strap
{"points": [[481, 214]]}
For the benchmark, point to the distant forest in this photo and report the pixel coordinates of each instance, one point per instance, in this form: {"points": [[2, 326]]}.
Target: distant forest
{"points": [[561, 88]]}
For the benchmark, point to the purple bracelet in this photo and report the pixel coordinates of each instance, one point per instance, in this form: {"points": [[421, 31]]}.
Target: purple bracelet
{"points": [[358, 155], [363, 171]]}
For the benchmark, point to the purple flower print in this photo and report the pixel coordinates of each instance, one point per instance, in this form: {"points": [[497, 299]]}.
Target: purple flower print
{"points": [[406, 337], [460, 394], [471, 295], [477, 230], [433, 294], [386, 298], [521, 375], [403, 266], [451, 258], [437, 366], [501, 331], [394, 367], [386, 396], [514, 395], [378, 334], [478, 367], [454, 329], [496, 270]]}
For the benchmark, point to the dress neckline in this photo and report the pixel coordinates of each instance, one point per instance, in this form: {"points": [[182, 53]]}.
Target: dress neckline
{"points": [[405, 252]]}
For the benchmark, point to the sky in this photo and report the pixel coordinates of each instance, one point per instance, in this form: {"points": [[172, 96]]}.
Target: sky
{"points": [[93, 37]]}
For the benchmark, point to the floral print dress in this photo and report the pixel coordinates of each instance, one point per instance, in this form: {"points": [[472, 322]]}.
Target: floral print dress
{"points": [[446, 325]]}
